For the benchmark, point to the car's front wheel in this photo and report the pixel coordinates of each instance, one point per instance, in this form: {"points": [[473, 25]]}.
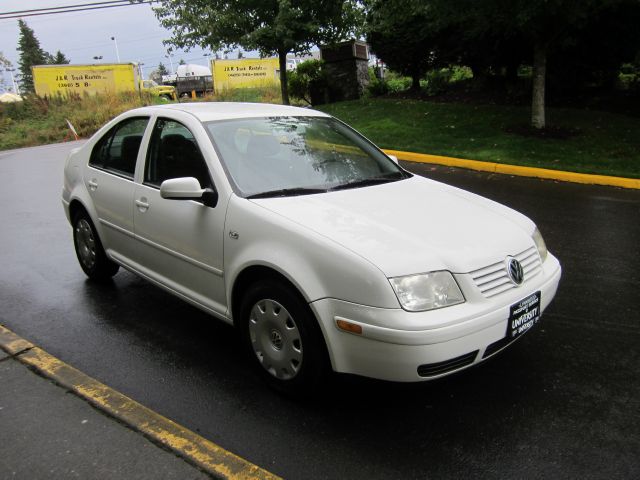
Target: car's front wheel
{"points": [[91, 256], [283, 338]]}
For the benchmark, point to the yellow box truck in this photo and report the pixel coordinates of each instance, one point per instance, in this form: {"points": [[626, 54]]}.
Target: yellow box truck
{"points": [[103, 79]]}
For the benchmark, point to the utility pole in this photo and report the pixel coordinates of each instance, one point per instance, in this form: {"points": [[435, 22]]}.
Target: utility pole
{"points": [[168, 55], [13, 80], [117, 52]]}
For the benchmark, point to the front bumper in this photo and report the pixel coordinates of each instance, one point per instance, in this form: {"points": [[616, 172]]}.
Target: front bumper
{"points": [[396, 345]]}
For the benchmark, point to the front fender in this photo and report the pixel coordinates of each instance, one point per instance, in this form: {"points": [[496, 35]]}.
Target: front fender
{"points": [[319, 267]]}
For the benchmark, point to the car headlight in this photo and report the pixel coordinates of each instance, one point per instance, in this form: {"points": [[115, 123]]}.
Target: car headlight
{"points": [[427, 291], [540, 245]]}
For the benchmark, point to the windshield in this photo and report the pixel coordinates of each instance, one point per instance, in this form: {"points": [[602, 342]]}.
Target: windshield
{"points": [[283, 156]]}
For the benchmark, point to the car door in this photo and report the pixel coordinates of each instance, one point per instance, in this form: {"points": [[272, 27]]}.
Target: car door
{"points": [[109, 177], [179, 241]]}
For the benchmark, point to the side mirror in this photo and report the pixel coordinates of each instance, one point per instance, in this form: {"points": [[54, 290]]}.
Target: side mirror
{"points": [[185, 188], [210, 197], [188, 188], [394, 158]]}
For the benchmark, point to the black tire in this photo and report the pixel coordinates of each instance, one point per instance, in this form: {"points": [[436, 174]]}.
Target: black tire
{"points": [[89, 251], [283, 339]]}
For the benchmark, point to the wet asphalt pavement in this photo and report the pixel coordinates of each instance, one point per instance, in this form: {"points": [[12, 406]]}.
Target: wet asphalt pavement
{"points": [[564, 402]]}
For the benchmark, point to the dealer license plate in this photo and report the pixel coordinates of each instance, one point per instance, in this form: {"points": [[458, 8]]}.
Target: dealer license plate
{"points": [[523, 315]]}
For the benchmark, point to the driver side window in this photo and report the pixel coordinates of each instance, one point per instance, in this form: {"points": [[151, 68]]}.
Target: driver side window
{"points": [[174, 153]]}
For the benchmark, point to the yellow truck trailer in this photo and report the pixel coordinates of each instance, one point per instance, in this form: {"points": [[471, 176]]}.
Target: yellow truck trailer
{"points": [[103, 79], [245, 73]]}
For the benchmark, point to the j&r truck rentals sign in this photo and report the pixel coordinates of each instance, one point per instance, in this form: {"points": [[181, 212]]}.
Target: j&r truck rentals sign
{"points": [[245, 73], [85, 79]]}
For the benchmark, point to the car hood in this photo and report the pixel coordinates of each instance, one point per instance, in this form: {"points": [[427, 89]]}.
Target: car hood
{"points": [[411, 226]]}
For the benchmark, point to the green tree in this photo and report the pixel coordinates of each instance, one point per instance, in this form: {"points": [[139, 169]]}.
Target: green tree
{"points": [[273, 27], [58, 59], [546, 25], [308, 82], [554, 27], [162, 70], [596, 53], [547, 34], [406, 35], [157, 74], [30, 54]]}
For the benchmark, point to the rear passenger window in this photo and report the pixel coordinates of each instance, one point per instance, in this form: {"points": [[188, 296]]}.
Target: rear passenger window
{"points": [[117, 151]]}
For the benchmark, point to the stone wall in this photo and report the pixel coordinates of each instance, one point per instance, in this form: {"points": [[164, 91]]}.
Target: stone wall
{"points": [[347, 70]]}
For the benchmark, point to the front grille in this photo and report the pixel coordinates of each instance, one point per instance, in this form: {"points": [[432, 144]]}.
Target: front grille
{"points": [[494, 279], [433, 369]]}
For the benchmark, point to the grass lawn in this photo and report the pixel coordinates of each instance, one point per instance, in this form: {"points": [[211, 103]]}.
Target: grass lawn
{"points": [[584, 141], [587, 141]]}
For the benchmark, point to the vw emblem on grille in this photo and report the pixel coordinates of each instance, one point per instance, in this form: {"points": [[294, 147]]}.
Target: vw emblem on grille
{"points": [[515, 271]]}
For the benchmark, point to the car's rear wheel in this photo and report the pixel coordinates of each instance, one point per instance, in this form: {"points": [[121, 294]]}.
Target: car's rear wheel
{"points": [[283, 338], [91, 256]]}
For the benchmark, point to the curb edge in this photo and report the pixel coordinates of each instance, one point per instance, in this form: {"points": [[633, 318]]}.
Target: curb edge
{"points": [[186, 444], [563, 176]]}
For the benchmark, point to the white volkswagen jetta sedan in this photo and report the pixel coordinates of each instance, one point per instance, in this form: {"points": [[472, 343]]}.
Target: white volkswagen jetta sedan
{"points": [[317, 246]]}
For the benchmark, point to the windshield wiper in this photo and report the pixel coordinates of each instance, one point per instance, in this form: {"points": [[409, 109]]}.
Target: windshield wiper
{"points": [[368, 181], [287, 192]]}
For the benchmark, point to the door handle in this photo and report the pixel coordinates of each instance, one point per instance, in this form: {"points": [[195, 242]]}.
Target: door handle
{"points": [[93, 184], [142, 204]]}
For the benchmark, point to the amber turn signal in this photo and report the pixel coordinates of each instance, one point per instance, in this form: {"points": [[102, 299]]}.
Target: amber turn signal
{"points": [[349, 327]]}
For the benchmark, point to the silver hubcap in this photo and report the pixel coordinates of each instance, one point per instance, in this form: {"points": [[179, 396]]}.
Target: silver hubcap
{"points": [[275, 339], [85, 243]]}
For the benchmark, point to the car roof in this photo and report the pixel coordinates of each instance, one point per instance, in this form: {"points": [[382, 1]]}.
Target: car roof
{"points": [[209, 111]]}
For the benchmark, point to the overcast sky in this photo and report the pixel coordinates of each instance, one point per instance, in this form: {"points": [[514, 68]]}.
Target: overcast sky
{"points": [[83, 35]]}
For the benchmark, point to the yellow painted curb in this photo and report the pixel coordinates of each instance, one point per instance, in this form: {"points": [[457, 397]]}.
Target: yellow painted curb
{"points": [[517, 170], [197, 450], [12, 343]]}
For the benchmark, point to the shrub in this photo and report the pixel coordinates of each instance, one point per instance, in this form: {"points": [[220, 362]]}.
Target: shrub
{"points": [[629, 77], [437, 81], [460, 73], [37, 120], [377, 88], [308, 82]]}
